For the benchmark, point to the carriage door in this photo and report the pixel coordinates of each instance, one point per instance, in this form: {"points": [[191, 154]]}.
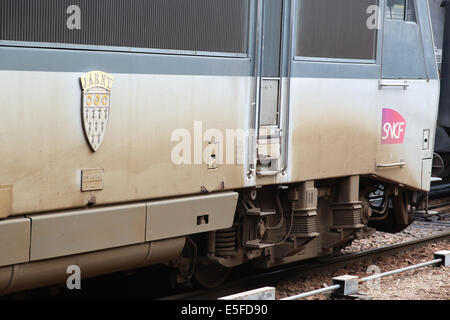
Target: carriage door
{"points": [[272, 88], [406, 86]]}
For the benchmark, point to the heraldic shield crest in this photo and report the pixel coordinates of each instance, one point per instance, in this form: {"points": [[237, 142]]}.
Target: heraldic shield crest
{"points": [[96, 106]]}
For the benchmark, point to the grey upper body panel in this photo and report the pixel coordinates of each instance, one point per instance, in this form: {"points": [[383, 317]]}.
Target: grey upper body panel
{"points": [[415, 60]]}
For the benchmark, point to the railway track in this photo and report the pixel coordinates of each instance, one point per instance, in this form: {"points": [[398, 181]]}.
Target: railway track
{"points": [[304, 269]]}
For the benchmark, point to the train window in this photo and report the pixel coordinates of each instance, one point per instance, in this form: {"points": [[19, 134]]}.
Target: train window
{"points": [[336, 29], [403, 43], [402, 10], [191, 25]]}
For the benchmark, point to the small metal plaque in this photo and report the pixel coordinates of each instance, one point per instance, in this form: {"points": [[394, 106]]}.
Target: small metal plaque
{"points": [[92, 180]]}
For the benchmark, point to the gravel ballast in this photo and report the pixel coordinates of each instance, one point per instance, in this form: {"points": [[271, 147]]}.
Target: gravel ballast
{"points": [[429, 283]]}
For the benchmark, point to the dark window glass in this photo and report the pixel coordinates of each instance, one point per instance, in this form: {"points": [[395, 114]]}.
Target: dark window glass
{"points": [[402, 10], [199, 25], [336, 29]]}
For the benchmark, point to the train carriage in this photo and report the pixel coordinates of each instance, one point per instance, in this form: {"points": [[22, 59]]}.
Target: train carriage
{"points": [[206, 134]]}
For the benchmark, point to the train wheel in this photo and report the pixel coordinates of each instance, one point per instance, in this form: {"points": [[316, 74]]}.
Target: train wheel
{"points": [[210, 274]]}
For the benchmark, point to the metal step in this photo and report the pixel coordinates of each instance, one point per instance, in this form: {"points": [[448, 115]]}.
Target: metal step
{"points": [[258, 244], [256, 212]]}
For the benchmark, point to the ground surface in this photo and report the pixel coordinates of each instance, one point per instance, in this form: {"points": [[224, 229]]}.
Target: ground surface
{"points": [[430, 283], [419, 229]]}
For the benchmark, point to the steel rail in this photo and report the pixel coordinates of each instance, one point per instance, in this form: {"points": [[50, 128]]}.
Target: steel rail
{"points": [[388, 273], [313, 293], [373, 277]]}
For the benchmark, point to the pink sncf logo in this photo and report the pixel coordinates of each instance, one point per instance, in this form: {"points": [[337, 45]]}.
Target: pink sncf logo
{"points": [[393, 128]]}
